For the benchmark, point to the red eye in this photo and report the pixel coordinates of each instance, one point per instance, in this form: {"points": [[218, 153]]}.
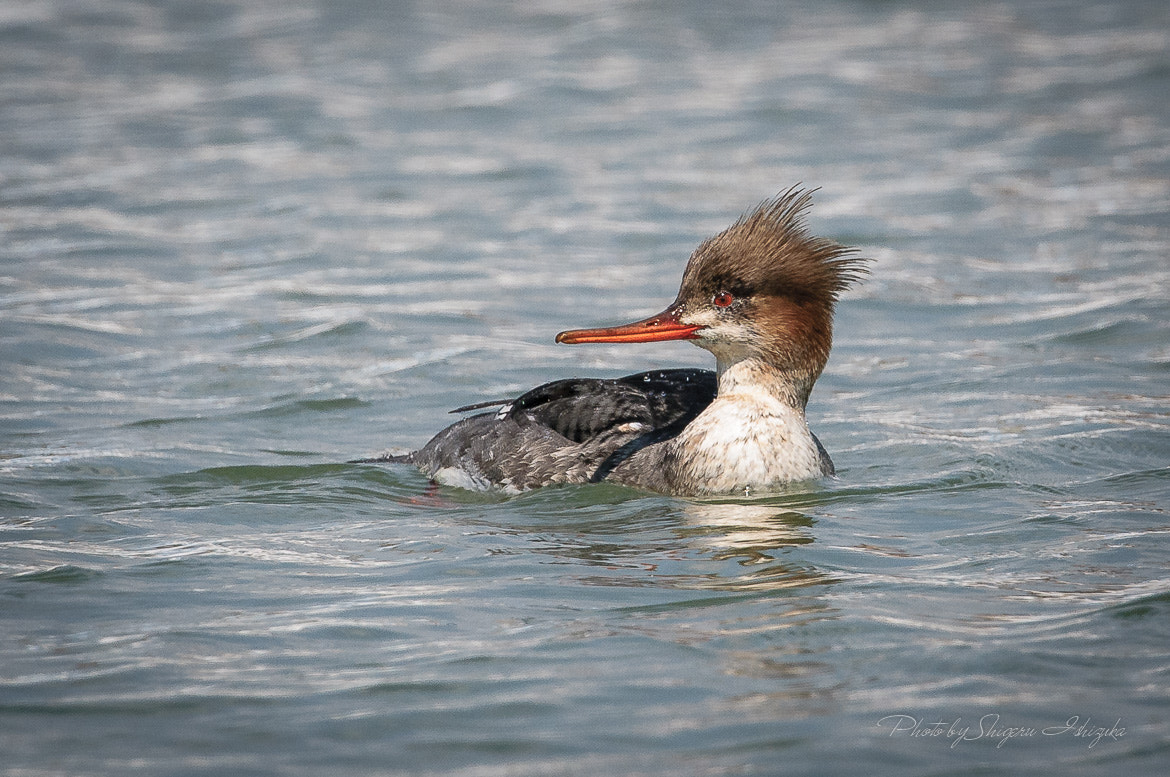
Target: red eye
{"points": [[723, 299]]}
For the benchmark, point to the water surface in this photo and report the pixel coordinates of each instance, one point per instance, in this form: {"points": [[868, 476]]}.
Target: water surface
{"points": [[245, 242]]}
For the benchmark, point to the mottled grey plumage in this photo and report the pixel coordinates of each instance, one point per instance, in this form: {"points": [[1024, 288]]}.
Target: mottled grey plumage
{"points": [[569, 431]]}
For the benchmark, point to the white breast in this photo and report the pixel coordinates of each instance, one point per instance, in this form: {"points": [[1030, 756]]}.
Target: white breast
{"points": [[746, 442]]}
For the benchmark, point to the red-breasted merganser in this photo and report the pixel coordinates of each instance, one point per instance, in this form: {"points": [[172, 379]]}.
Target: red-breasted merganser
{"points": [[760, 297]]}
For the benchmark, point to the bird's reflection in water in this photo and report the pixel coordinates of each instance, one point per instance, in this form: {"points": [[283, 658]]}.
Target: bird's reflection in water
{"points": [[755, 537], [708, 545], [749, 532]]}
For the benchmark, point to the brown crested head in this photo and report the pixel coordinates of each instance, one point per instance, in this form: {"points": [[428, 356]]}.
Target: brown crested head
{"points": [[762, 291], [765, 288], [769, 251]]}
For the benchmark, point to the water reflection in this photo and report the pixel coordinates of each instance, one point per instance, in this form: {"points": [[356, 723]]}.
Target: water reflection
{"points": [[748, 530], [755, 537], [665, 543]]}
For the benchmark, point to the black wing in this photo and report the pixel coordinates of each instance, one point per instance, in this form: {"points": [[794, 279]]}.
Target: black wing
{"points": [[580, 409]]}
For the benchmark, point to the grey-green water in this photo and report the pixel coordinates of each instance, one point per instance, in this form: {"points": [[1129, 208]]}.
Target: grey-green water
{"points": [[241, 242]]}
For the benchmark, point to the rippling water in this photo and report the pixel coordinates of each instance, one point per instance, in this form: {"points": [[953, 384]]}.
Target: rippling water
{"points": [[245, 241]]}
